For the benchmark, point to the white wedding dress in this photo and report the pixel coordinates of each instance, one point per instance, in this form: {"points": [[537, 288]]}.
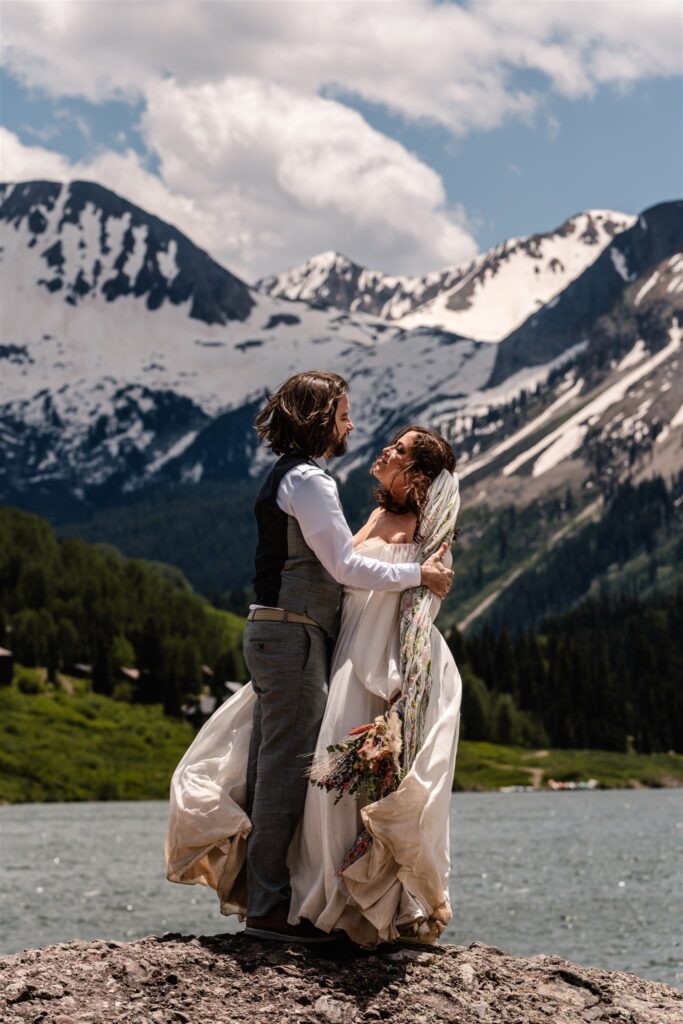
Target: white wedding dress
{"points": [[400, 886]]}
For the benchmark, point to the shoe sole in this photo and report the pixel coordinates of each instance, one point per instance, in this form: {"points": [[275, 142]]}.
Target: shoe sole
{"points": [[263, 933]]}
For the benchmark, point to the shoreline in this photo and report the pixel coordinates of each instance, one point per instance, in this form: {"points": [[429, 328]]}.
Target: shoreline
{"points": [[634, 786], [70, 748], [503, 790]]}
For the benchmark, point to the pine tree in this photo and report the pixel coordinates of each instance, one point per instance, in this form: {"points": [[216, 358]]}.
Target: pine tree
{"points": [[102, 666]]}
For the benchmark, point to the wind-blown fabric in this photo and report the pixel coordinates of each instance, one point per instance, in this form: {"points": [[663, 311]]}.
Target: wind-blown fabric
{"points": [[436, 528], [371, 749], [399, 884]]}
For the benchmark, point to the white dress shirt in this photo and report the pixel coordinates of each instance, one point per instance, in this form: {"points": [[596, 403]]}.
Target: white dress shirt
{"points": [[310, 495]]}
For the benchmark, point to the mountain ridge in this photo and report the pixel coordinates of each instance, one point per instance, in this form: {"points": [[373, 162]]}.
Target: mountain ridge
{"points": [[633, 253], [109, 401], [444, 298], [167, 265]]}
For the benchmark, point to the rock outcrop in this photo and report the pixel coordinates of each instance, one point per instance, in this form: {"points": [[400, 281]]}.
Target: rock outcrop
{"points": [[227, 979]]}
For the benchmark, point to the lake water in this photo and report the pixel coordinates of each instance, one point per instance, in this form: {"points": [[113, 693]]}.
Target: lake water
{"points": [[595, 877]]}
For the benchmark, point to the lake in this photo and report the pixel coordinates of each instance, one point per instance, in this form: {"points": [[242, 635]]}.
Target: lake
{"points": [[594, 877]]}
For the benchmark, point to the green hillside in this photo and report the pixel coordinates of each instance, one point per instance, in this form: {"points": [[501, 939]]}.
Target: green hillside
{"points": [[635, 547], [64, 602], [65, 743]]}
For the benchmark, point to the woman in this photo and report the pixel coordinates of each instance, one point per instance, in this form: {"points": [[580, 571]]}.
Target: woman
{"points": [[399, 884], [393, 880]]}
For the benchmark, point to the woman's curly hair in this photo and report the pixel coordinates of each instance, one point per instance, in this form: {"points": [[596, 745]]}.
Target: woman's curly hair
{"points": [[429, 454], [300, 415]]}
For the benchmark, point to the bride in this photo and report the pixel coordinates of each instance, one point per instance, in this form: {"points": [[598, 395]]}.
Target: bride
{"points": [[374, 868]]}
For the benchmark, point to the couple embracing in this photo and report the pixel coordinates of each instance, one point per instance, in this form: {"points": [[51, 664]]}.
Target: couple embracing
{"points": [[344, 665]]}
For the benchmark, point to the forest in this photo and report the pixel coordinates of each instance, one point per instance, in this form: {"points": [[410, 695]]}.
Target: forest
{"points": [[642, 521], [605, 674], [64, 602]]}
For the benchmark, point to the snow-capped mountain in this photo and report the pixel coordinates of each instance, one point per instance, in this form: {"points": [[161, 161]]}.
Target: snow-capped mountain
{"points": [[87, 241], [646, 253], [128, 357], [483, 299]]}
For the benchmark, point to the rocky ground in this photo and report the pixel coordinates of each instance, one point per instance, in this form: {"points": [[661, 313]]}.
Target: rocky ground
{"points": [[227, 979]]}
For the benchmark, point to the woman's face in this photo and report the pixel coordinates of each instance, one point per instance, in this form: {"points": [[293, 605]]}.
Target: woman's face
{"points": [[390, 467]]}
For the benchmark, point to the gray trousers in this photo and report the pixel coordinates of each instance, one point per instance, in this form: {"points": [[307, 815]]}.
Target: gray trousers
{"points": [[289, 668]]}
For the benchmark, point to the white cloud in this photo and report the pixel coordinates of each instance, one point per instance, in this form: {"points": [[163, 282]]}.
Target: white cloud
{"points": [[261, 170], [122, 172], [445, 62], [303, 170], [263, 177]]}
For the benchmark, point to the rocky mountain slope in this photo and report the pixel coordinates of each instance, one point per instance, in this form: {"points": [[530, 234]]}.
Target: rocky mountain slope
{"points": [[483, 299], [128, 252], [131, 363]]}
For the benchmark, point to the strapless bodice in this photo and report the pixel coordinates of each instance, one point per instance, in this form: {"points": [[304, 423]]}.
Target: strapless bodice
{"points": [[383, 551]]}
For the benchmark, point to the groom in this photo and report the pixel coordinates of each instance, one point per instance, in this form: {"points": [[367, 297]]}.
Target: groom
{"points": [[304, 558]]}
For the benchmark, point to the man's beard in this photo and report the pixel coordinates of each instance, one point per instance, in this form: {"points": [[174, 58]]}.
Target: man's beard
{"points": [[339, 446]]}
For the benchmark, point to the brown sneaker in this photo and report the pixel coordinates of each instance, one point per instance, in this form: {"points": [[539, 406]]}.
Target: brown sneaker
{"points": [[274, 926]]}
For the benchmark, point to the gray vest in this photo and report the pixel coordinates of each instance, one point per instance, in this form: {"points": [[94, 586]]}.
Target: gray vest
{"points": [[306, 586], [288, 573]]}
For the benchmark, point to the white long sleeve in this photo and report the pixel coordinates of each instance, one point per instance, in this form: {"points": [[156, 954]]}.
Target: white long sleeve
{"points": [[309, 495]]}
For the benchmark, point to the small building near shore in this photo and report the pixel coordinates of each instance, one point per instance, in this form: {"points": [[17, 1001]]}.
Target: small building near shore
{"points": [[6, 666], [130, 675], [201, 710], [80, 670]]}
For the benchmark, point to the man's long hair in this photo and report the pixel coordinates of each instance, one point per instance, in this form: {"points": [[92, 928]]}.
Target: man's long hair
{"points": [[300, 415]]}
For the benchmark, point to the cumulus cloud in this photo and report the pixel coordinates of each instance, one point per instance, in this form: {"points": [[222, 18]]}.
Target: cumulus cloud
{"points": [[262, 177], [445, 62], [261, 169], [307, 169]]}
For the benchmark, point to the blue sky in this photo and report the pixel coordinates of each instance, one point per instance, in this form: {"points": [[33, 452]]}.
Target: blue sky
{"points": [[72, 126], [619, 151], [408, 136]]}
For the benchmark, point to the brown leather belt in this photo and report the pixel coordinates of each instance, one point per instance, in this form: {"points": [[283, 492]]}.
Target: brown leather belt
{"points": [[280, 615]]}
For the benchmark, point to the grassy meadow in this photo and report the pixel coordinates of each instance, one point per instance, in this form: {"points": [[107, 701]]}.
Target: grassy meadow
{"points": [[65, 743], [489, 766]]}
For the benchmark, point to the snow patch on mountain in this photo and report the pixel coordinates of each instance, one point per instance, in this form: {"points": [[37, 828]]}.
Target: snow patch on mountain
{"points": [[173, 452], [568, 438], [566, 396], [633, 356], [483, 299], [620, 264], [650, 283], [561, 449]]}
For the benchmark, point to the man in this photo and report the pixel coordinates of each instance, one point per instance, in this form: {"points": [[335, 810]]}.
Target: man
{"points": [[304, 558]]}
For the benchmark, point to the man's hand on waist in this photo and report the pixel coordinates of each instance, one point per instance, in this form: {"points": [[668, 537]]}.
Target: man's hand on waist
{"points": [[435, 575]]}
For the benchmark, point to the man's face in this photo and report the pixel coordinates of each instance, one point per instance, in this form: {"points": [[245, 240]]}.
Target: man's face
{"points": [[343, 427]]}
